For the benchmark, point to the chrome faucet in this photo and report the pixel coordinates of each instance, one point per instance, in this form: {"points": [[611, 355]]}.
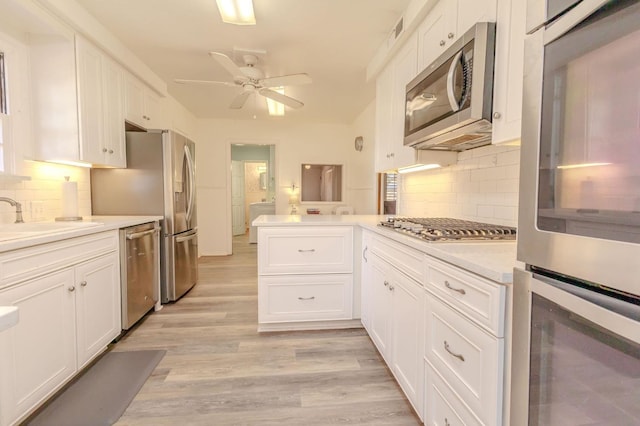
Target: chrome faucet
{"points": [[18, 207]]}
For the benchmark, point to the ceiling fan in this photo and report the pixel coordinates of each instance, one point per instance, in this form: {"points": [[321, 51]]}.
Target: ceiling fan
{"points": [[252, 80]]}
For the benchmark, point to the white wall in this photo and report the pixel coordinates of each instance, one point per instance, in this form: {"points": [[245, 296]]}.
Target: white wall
{"points": [[295, 144], [482, 186]]}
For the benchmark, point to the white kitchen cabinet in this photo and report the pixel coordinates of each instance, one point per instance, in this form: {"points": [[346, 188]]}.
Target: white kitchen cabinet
{"points": [[305, 277], [100, 105], [509, 71], [446, 22], [68, 293], [464, 343], [396, 325], [142, 105], [366, 281], [98, 315], [390, 109]]}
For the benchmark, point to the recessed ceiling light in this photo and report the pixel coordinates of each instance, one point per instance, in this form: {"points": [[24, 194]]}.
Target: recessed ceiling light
{"points": [[238, 12]]}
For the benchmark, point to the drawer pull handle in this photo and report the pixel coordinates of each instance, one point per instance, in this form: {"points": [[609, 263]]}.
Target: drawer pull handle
{"points": [[459, 290], [306, 251], [364, 254], [306, 298], [446, 347], [386, 283]]}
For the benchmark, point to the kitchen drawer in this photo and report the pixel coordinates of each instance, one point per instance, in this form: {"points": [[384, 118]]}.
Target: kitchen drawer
{"points": [[404, 258], [305, 250], [442, 406], [23, 264], [481, 300], [469, 359], [305, 297]]}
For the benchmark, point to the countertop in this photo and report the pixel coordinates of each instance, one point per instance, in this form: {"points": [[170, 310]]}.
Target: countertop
{"points": [[89, 225], [492, 260]]}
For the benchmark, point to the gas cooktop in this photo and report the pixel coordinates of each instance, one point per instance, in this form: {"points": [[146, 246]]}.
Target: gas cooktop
{"points": [[446, 229]]}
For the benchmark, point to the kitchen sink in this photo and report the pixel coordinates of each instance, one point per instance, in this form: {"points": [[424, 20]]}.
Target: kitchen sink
{"points": [[33, 229]]}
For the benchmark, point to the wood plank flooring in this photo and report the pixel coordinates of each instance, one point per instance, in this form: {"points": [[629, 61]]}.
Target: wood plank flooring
{"points": [[219, 370]]}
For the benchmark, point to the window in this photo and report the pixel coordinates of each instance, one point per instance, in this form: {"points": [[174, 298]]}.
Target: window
{"points": [[388, 193]]}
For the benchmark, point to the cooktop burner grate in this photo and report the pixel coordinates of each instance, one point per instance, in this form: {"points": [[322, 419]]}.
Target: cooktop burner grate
{"points": [[447, 229]]}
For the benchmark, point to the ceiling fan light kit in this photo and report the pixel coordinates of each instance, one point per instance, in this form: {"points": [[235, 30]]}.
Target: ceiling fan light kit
{"points": [[237, 12], [251, 80]]}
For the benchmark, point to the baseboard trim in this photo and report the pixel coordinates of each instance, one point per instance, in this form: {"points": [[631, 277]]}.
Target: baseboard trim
{"points": [[309, 325]]}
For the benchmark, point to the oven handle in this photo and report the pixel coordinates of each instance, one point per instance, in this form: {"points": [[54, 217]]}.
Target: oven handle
{"points": [[455, 104], [616, 315], [136, 235]]}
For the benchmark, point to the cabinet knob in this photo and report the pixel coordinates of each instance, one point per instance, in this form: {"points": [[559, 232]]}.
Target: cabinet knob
{"points": [[391, 288], [497, 115], [72, 289], [110, 151], [104, 149], [386, 283], [441, 42], [83, 284], [450, 36], [392, 155]]}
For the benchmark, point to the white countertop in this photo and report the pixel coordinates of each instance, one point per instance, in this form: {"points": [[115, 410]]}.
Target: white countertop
{"points": [[89, 225], [8, 317], [492, 260]]}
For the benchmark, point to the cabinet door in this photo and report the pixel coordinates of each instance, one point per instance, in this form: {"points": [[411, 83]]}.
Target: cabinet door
{"points": [[134, 100], [408, 364], [509, 71], [432, 32], [384, 95], [469, 12], [405, 68], [366, 277], [90, 108], [381, 304], [152, 110], [98, 312], [114, 150], [38, 354]]}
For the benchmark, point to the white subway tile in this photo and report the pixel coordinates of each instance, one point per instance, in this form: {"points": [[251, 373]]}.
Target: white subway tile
{"points": [[485, 211]]}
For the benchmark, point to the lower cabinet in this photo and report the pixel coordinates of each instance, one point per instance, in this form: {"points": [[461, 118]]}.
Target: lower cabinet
{"points": [[396, 327], [67, 318]]}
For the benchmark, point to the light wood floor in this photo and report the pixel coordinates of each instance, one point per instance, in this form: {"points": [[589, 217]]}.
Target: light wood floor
{"points": [[218, 370]]}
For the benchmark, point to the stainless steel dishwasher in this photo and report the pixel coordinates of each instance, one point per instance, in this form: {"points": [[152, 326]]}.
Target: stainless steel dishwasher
{"points": [[140, 271]]}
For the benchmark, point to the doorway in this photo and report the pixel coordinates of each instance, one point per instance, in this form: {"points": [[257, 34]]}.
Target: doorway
{"points": [[252, 185]]}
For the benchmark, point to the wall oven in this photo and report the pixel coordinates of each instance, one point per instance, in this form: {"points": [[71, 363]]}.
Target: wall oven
{"points": [[579, 215]]}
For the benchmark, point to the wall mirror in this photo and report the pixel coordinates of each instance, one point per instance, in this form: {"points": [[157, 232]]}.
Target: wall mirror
{"points": [[321, 182]]}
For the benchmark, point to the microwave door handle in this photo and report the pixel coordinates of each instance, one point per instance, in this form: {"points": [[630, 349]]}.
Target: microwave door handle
{"points": [[455, 104]]}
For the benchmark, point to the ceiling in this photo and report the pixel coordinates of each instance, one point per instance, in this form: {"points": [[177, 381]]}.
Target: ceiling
{"points": [[331, 40]]}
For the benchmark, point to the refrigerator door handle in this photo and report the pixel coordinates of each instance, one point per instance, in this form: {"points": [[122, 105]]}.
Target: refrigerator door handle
{"points": [[191, 177], [186, 238]]}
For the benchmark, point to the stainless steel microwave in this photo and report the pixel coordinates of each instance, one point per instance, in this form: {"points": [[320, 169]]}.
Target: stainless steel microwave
{"points": [[449, 104]]}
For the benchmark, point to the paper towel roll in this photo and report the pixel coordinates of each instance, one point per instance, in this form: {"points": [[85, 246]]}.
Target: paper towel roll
{"points": [[69, 199]]}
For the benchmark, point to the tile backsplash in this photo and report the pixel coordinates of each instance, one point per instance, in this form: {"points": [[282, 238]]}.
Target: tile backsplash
{"points": [[41, 197], [482, 186]]}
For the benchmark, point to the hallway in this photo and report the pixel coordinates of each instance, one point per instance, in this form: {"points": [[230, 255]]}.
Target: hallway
{"points": [[219, 371]]}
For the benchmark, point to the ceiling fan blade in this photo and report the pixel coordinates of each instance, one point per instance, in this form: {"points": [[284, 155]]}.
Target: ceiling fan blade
{"points": [[206, 82], [239, 100], [227, 64], [286, 80], [279, 97]]}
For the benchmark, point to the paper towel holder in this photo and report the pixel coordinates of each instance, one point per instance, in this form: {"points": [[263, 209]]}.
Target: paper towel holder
{"points": [[74, 193]]}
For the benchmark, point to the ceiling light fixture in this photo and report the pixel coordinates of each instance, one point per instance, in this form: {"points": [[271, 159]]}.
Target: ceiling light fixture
{"points": [[238, 12], [276, 108]]}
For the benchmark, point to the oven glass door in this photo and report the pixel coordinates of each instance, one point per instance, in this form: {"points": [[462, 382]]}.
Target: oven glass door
{"points": [[442, 93], [582, 373], [589, 173]]}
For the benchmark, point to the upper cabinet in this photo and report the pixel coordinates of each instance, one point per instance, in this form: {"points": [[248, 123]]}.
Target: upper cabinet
{"points": [[100, 107], [142, 105], [509, 71], [446, 22], [390, 98]]}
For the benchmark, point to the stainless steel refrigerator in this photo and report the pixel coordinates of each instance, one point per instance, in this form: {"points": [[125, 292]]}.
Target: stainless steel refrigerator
{"points": [[159, 180]]}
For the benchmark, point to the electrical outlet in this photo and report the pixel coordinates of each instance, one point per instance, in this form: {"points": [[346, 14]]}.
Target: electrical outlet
{"points": [[37, 210]]}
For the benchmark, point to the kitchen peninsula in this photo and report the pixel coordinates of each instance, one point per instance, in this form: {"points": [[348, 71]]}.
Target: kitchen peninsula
{"points": [[435, 311]]}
